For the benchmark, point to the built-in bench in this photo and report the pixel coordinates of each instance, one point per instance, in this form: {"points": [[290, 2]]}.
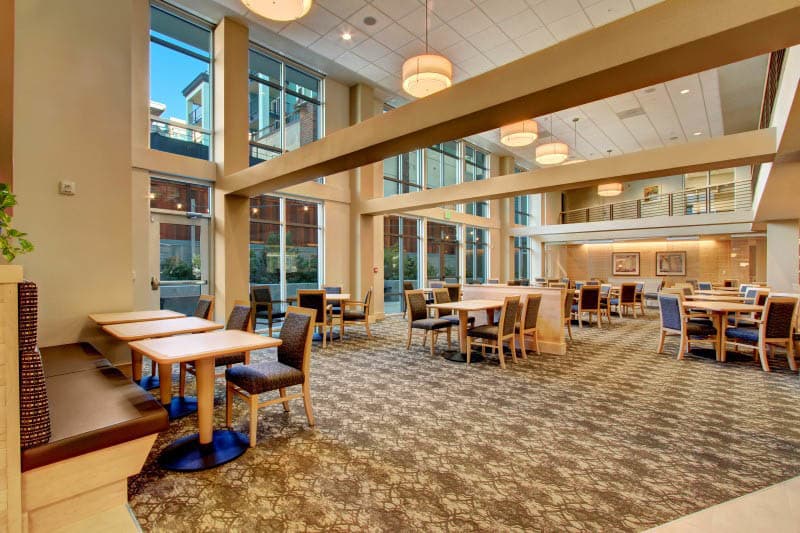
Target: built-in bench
{"points": [[102, 426]]}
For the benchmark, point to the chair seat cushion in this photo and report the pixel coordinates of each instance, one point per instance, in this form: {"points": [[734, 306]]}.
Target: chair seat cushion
{"points": [[431, 323], [275, 314], [454, 319], [742, 334], [354, 315], [704, 321], [700, 330], [263, 377], [483, 332]]}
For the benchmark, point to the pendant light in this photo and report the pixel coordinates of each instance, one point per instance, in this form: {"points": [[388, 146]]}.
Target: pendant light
{"points": [[427, 73], [552, 153], [519, 133], [283, 10], [575, 143], [609, 189]]}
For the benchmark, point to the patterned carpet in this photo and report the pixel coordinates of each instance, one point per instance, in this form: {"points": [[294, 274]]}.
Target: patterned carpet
{"points": [[611, 436]]}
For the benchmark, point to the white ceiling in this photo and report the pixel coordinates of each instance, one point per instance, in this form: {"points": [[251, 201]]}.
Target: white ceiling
{"points": [[478, 35]]}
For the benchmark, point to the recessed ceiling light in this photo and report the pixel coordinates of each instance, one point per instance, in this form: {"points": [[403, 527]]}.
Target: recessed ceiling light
{"points": [[370, 21], [673, 138], [685, 91], [347, 36], [697, 133]]}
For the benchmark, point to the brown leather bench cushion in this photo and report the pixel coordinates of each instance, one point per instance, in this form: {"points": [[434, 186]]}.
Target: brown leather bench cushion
{"points": [[92, 406]]}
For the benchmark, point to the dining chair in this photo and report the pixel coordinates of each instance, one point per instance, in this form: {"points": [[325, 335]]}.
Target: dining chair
{"points": [[318, 299], [336, 307], [527, 323], [675, 321], [730, 283], [264, 307], [436, 284], [626, 299], [492, 281], [239, 319], [355, 312], [205, 307], [605, 296], [704, 286], [593, 282], [589, 303], [569, 300], [407, 286], [495, 336], [443, 296], [418, 319], [292, 368], [773, 328], [451, 280], [454, 290], [687, 288], [579, 285], [639, 297]]}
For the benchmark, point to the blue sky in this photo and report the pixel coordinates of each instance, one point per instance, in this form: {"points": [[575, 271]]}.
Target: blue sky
{"points": [[170, 72]]}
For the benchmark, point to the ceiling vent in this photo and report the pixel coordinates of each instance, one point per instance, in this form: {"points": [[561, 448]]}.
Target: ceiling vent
{"points": [[630, 113]]}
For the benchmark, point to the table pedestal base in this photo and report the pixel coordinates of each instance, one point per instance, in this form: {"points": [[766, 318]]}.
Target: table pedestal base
{"points": [[458, 357], [188, 455], [180, 407]]}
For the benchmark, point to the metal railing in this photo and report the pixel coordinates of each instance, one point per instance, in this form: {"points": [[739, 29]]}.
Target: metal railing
{"points": [[734, 196]]}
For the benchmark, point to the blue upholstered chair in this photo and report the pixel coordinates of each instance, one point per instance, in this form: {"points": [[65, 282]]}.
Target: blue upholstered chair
{"points": [[579, 284], [674, 321], [775, 327], [704, 285], [639, 297]]}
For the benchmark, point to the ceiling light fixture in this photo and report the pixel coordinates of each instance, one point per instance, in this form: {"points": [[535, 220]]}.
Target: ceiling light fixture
{"points": [[426, 73], [697, 133], [347, 36], [283, 10], [575, 143], [609, 189], [685, 91], [519, 133], [552, 153]]}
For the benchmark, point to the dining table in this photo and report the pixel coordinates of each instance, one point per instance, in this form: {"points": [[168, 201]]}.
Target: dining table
{"points": [[464, 308], [207, 448], [331, 298], [102, 319], [714, 298], [134, 331], [719, 312]]}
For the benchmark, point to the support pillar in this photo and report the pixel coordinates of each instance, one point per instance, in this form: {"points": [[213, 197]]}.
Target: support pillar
{"points": [[783, 237], [506, 214]]}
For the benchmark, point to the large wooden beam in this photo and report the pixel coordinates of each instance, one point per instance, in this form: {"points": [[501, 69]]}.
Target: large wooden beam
{"points": [[722, 152], [661, 43]]}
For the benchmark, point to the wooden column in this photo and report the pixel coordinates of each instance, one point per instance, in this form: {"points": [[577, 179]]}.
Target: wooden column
{"points": [[782, 257], [506, 214]]}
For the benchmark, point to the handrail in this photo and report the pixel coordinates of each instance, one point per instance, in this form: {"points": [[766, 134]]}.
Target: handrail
{"points": [[727, 197]]}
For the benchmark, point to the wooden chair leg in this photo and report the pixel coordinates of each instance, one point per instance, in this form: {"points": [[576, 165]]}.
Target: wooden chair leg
{"points": [[660, 348], [469, 349], [408, 343], [449, 337], [229, 406], [522, 345], [282, 392], [307, 403], [366, 325], [253, 419], [684, 342], [569, 328], [762, 353], [182, 380], [500, 354], [433, 341], [536, 341], [513, 346], [424, 337]]}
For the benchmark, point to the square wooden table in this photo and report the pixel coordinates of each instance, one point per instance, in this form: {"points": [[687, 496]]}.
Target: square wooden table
{"points": [[713, 298], [719, 315], [207, 448], [134, 331], [102, 319], [463, 308], [719, 292]]}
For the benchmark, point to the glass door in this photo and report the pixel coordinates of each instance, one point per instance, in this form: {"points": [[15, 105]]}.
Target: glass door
{"points": [[179, 260]]}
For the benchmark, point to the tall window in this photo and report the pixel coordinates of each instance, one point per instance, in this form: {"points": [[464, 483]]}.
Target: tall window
{"points": [[285, 244], [180, 84], [476, 167], [402, 174], [476, 254], [522, 210], [441, 165], [401, 244], [522, 258], [443, 252], [285, 107]]}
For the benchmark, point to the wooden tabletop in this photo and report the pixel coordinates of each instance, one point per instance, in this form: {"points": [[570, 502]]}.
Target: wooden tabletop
{"points": [[329, 297], [169, 350], [134, 331], [723, 307], [713, 298], [469, 305], [101, 319]]}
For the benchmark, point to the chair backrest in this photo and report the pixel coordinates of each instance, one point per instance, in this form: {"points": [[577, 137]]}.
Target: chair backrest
{"points": [[605, 288], [408, 286], [627, 293], [454, 289], [508, 316], [492, 281], [589, 298], [260, 295], [451, 280], [240, 316], [593, 282], [436, 284], [530, 312], [296, 335], [693, 283], [779, 315], [314, 299], [415, 305], [367, 300], [442, 296], [205, 307], [525, 282], [565, 280], [512, 282], [750, 295], [332, 289], [569, 301], [731, 283], [579, 285], [687, 288], [743, 288], [704, 285], [639, 288], [671, 309]]}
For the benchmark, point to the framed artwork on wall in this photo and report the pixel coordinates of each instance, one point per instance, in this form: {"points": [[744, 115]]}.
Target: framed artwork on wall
{"points": [[625, 263], [651, 192], [670, 263]]}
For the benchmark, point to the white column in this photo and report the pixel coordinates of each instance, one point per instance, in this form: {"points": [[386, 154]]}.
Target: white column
{"points": [[783, 237]]}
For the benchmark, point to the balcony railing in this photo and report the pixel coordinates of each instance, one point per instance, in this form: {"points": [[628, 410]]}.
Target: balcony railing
{"points": [[734, 196]]}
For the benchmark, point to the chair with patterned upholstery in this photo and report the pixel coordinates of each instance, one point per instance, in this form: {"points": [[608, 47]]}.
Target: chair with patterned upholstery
{"points": [[292, 368], [407, 286], [495, 336], [774, 328], [205, 307], [605, 305], [569, 301], [264, 307], [418, 319], [336, 307], [527, 323], [730, 283], [355, 312], [318, 299], [593, 282], [704, 286], [442, 296], [435, 284], [454, 290], [675, 321], [626, 299], [589, 303], [238, 319], [638, 297]]}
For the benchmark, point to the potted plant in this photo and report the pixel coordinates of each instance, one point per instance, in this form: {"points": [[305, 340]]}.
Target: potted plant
{"points": [[12, 241]]}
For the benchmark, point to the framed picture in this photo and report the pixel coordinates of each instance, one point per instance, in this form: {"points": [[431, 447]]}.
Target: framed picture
{"points": [[651, 192], [670, 263], [625, 263]]}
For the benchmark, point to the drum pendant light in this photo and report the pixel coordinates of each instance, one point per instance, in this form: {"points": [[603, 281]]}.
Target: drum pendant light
{"points": [[552, 153], [519, 133], [283, 10], [426, 73]]}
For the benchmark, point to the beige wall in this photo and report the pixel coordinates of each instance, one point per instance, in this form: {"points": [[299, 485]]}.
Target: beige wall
{"points": [[706, 260], [633, 190]]}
